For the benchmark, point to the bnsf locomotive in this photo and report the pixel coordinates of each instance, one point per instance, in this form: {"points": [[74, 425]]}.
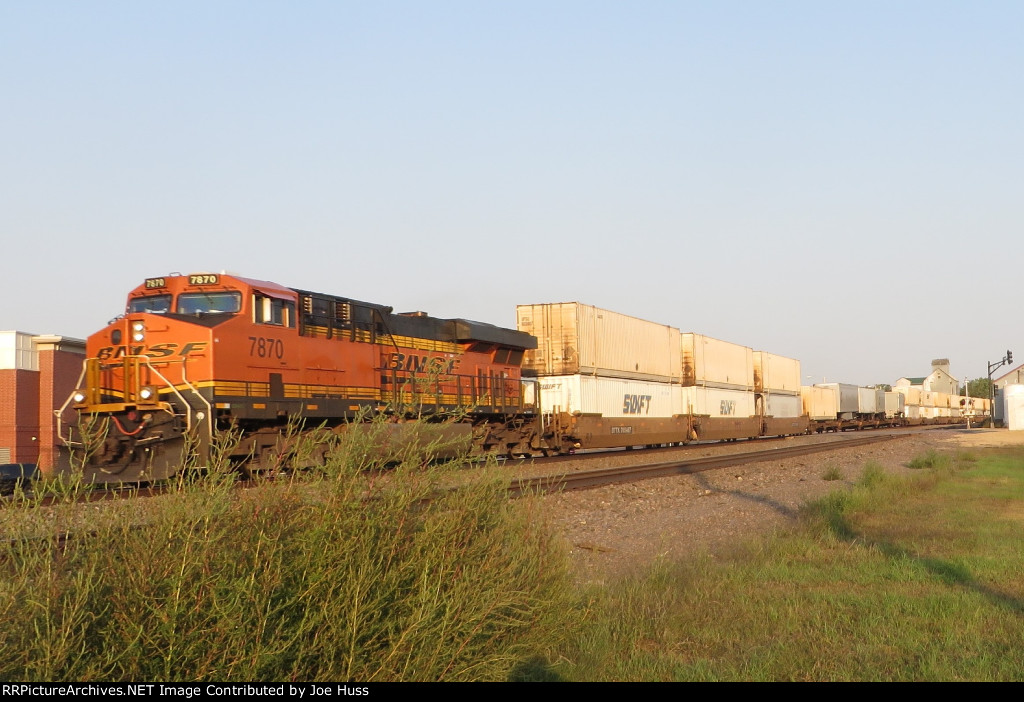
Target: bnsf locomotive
{"points": [[197, 354]]}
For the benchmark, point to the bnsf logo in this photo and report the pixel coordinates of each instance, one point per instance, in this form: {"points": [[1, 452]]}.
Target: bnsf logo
{"points": [[420, 364], [154, 351], [636, 404], [728, 407]]}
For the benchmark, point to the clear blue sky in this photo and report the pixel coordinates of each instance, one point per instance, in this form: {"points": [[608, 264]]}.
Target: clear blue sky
{"points": [[838, 182]]}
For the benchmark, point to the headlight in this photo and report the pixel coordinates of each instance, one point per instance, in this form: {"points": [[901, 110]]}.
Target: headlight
{"points": [[78, 397], [147, 393], [138, 331]]}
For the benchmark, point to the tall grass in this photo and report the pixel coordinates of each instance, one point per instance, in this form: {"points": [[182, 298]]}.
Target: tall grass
{"points": [[339, 574], [897, 579]]}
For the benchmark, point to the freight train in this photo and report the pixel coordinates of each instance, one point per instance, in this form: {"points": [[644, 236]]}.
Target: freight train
{"points": [[197, 355]]}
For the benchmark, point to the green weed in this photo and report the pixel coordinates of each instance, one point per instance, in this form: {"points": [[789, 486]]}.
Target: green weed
{"points": [[930, 459], [341, 573], [832, 473]]}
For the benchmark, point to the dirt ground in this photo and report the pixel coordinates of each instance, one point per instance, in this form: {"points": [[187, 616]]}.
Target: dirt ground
{"points": [[614, 530]]}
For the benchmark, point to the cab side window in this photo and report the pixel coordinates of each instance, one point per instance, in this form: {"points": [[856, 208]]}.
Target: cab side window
{"points": [[272, 310]]}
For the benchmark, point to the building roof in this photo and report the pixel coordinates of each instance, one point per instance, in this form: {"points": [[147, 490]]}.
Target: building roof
{"points": [[917, 381]]}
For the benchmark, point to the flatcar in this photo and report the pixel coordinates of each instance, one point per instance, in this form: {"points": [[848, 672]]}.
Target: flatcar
{"points": [[193, 355]]}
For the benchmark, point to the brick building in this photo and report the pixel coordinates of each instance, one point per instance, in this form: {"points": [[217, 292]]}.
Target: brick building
{"points": [[37, 374]]}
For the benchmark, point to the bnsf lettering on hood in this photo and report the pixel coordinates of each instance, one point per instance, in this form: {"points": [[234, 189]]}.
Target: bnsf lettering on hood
{"points": [[192, 348]]}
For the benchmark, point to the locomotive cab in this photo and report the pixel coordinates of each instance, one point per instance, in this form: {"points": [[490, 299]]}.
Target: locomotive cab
{"points": [[143, 386]]}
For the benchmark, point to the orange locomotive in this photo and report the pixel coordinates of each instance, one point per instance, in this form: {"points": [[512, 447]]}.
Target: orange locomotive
{"points": [[195, 354]]}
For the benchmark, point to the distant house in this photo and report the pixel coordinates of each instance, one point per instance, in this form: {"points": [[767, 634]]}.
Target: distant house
{"points": [[939, 380]]}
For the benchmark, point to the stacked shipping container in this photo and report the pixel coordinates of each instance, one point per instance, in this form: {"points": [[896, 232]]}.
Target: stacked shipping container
{"points": [[585, 355], [576, 338], [594, 362], [927, 406], [777, 379]]}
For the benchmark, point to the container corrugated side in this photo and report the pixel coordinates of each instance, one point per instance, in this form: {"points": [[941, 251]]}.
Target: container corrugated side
{"points": [[783, 405], [819, 404], [776, 373], [895, 404], [715, 363], [577, 338], [848, 398], [867, 401], [913, 395], [718, 402], [610, 397]]}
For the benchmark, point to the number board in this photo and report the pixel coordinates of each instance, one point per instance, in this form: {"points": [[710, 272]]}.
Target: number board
{"points": [[203, 279], [155, 283]]}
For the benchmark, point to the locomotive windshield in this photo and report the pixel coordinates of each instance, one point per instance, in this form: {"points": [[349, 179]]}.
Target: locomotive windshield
{"points": [[210, 303], [154, 304]]}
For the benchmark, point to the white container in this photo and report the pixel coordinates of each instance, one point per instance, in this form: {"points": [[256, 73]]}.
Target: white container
{"points": [[847, 398], [576, 338], [714, 363], [610, 397], [777, 374], [780, 405], [819, 404], [867, 401], [895, 404], [718, 402]]}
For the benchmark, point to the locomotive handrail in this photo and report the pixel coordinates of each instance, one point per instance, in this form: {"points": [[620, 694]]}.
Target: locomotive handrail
{"points": [[60, 412], [195, 391], [189, 410]]}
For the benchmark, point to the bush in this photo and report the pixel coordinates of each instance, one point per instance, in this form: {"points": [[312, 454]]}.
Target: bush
{"points": [[930, 459], [832, 473], [345, 574]]}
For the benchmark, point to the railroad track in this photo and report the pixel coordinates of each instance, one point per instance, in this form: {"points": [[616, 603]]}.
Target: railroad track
{"points": [[695, 446], [581, 480], [587, 479]]}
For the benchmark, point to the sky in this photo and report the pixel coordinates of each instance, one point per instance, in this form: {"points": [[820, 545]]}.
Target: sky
{"points": [[835, 182]]}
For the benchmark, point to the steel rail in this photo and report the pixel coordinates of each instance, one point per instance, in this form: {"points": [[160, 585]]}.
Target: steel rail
{"points": [[588, 479]]}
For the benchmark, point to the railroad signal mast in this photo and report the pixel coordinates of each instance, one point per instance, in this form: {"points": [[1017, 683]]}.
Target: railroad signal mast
{"points": [[1007, 360]]}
